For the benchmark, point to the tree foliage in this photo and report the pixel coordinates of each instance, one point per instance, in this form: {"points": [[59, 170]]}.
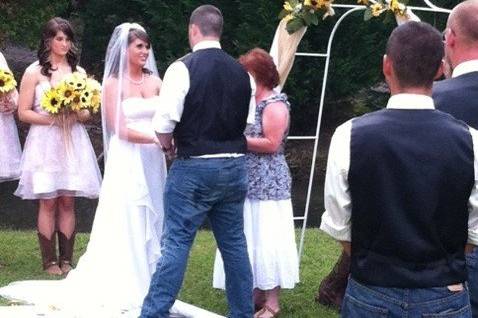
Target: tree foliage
{"points": [[21, 20]]}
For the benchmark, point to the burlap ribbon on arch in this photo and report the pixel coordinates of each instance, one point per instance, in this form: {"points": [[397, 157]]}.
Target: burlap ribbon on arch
{"points": [[283, 49]]}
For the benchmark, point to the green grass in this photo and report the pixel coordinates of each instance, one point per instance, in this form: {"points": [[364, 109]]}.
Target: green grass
{"points": [[20, 260]]}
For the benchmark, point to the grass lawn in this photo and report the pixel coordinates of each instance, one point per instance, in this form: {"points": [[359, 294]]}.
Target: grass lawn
{"points": [[20, 260]]}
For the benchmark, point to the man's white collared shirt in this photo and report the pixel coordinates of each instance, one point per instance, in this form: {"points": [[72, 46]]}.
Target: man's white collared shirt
{"points": [[465, 68]]}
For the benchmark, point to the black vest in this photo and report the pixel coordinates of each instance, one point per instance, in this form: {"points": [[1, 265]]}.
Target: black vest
{"points": [[216, 106], [411, 175]]}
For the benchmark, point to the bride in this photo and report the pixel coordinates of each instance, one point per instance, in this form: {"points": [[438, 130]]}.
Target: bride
{"points": [[112, 277]]}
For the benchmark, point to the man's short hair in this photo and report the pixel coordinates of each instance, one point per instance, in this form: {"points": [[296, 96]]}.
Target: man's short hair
{"points": [[416, 51], [208, 19]]}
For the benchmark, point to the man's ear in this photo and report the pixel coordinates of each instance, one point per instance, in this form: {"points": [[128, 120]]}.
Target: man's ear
{"points": [[450, 38], [440, 70], [194, 30], [387, 66]]}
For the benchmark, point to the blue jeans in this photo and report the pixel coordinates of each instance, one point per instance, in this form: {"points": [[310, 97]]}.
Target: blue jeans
{"points": [[196, 188], [472, 267], [365, 301]]}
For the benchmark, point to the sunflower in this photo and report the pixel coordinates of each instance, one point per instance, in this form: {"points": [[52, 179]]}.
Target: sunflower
{"points": [[75, 103], [7, 82], [288, 7], [66, 92], [85, 98], [316, 4], [76, 80], [51, 101], [93, 85], [95, 102], [377, 9], [397, 7], [93, 88]]}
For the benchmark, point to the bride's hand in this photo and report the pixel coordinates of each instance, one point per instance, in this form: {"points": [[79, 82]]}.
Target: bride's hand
{"points": [[170, 152], [156, 141]]}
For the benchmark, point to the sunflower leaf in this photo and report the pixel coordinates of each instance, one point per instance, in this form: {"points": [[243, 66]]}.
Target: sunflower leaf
{"points": [[367, 15]]}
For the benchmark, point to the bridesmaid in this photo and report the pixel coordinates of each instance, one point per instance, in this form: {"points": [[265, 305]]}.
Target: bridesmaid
{"points": [[10, 150], [56, 165]]}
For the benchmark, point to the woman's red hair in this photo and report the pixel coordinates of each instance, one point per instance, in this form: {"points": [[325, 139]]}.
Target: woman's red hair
{"points": [[261, 66]]}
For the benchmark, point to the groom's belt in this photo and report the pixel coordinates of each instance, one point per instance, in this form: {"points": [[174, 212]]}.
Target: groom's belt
{"points": [[218, 155]]}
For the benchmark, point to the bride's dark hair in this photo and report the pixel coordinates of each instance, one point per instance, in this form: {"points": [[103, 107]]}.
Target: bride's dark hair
{"points": [[133, 34], [49, 31]]}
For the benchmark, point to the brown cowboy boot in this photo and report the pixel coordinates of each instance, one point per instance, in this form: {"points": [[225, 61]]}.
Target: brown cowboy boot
{"points": [[332, 288], [65, 245], [48, 255]]}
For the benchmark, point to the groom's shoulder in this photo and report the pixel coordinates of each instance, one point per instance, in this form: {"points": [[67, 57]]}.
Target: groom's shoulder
{"points": [[184, 58]]}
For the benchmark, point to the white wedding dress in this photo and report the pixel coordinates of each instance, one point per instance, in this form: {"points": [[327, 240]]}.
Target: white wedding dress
{"points": [[112, 278]]}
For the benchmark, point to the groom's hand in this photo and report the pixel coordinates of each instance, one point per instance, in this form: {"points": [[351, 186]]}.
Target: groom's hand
{"points": [[167, 145]]}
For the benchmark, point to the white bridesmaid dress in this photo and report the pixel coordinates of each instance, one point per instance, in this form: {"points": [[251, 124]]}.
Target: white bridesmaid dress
{"points": [[10, 150], [52, 166]]}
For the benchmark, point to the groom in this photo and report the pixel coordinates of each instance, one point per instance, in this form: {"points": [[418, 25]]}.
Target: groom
{"points": [[204, 104]]}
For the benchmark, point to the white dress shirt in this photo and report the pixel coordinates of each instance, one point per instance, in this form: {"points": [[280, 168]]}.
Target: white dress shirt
{"points": [[173, 92], [336, 220], [465, 67]]}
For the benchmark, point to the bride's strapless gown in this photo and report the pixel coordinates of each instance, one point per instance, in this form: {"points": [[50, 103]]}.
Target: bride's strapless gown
{"points": [[112, 277]]}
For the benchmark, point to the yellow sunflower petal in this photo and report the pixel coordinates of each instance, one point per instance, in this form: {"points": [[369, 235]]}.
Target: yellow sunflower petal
{"points": [[51, 101]]}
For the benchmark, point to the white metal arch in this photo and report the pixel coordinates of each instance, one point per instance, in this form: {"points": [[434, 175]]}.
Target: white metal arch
{"points": [[350, 9]]}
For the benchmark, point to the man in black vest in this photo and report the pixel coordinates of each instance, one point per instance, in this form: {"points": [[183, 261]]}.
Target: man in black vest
{"points": [[204, 103], [400, 192], [459, 95]]}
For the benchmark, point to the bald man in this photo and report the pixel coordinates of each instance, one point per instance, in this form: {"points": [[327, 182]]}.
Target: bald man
{"points": [[458, 95]]}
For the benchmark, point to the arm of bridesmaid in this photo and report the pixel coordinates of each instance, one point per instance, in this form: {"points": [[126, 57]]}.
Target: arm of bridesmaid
{"points": [[26, 99]]}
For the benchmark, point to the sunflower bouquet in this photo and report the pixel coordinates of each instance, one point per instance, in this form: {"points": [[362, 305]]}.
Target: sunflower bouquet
{"points": [[76, 93], [7, 82], [7, 85]]}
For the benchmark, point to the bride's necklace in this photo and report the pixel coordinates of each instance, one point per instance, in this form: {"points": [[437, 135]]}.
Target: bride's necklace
{"points": [[139, 82]]}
